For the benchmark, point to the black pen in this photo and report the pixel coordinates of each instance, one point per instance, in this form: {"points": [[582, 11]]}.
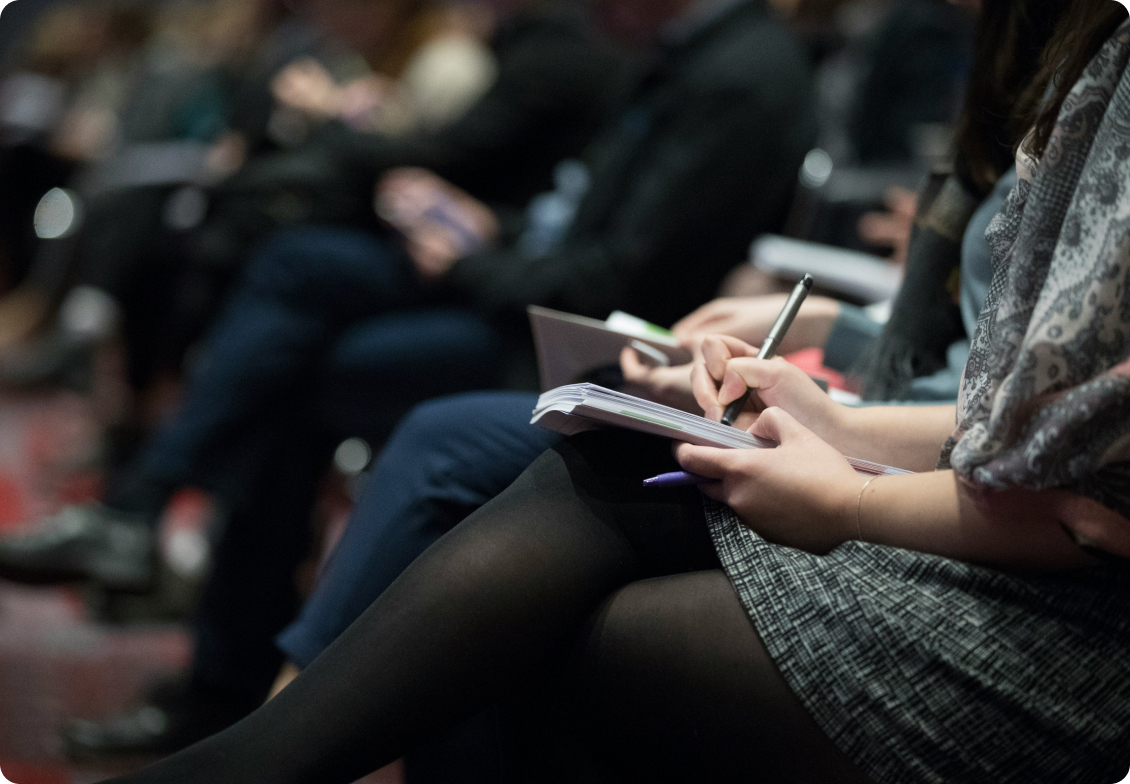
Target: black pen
{"points": [[772, 341]]}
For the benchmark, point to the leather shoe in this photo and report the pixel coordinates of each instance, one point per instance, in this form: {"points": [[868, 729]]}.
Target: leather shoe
{"points": [[88, 542], [162, 726]]}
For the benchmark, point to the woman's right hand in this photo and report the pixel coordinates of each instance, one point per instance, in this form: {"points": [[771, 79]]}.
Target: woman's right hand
{"points": [[727, 367]]}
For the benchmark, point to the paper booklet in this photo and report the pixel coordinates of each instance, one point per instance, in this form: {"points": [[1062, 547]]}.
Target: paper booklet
{"points": [[860, 276], [571, 347], [579, 407]]}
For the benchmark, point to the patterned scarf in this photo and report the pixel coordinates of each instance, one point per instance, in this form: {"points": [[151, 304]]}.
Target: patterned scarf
{"points": [[1045, 400]]}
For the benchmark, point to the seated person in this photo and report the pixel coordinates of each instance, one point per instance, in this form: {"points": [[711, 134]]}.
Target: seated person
{"points": [[700, 159], [159, 282], [802, 622], [450, 456]]}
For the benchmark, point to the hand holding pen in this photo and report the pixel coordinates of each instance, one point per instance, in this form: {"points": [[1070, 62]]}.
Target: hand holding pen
{"points": [[714, 375], [772, 342]]}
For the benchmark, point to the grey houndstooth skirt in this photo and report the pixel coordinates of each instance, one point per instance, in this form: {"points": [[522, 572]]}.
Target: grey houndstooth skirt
{"points": [[924, 669]]}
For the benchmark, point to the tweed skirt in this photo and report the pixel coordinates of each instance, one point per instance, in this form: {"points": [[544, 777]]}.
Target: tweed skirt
{"points": [[925, 669]]}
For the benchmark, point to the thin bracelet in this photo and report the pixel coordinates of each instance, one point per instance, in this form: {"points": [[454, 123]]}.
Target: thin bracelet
{"points": [[859, 506]]}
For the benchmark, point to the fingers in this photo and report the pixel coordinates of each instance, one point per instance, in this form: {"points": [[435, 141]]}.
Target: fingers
{"points": [[704, 460], [734, 384], [705, 391], [902, 201], [630, 365], [742, 373], [778, 425], [716, 352], [695, 321]]}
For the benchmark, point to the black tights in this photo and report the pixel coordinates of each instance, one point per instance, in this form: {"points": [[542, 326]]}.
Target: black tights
{"points": [[593, 608]]}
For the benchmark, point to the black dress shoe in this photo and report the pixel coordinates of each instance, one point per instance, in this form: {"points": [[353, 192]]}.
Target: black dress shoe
{"points": [[164, 725], [89, 542]]}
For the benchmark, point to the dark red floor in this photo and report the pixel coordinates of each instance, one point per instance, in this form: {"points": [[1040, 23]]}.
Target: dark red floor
{"points": [[56, 662]]}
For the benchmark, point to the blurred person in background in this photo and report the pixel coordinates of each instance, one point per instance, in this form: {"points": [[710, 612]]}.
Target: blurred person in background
{"points": [[554, 86], [157, 256], [698, 160], [667, 682], [899, 73], [171, 105], [889, 81]]}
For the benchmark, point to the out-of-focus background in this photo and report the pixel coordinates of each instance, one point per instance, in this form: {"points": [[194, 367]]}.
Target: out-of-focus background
{"points": [[146, 146]]}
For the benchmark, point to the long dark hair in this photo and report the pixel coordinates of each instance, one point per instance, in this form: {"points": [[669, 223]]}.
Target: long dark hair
{"points": [[1022, 47], [1082, 30], [1010, 38]]}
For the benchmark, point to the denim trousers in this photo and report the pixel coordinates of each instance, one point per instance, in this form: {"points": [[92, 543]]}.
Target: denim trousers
{"points": [[329, 337], [445, 460]]}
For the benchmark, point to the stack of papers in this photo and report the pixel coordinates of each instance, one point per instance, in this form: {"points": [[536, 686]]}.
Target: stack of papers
{"points": [[579, 407]]}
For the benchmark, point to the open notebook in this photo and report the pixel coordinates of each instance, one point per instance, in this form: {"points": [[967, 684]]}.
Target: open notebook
{"points": [[571, 347], [579, 407]]}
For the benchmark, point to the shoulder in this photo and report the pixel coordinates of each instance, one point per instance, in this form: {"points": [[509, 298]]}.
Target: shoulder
{"points": [[544, 25], [552, 50], [750, 52]]}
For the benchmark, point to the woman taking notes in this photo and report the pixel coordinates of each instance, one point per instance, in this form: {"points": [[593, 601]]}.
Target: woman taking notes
{"points": [[802, 624]]}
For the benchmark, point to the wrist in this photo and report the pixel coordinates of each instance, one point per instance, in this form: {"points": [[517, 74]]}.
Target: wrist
{"points": [[844, 509], [812, 326], [842, 428]]}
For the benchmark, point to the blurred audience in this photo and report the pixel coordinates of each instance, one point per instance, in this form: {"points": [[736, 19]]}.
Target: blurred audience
{"points": [[163, 240], [354, 201], [597, 609], [699, 159], [58, 109]]}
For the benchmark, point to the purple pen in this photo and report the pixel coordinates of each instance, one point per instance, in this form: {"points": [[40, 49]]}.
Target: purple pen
{"points": [[676, 479]]}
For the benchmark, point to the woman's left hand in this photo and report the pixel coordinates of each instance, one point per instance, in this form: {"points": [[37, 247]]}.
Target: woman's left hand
{"points": [[801, 494]]}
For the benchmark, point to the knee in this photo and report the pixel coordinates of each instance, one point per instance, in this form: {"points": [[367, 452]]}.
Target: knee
{"points": [[430, 446], [461, 425], [430, 427], [659, 627], [298, 262]]}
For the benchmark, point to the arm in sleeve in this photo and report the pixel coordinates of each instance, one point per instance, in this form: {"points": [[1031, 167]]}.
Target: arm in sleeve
{"points": [[698, 189]]}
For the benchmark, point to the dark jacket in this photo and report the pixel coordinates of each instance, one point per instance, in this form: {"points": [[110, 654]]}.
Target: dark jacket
{"points": [[703, 157], [557, 85], [918, 62]]}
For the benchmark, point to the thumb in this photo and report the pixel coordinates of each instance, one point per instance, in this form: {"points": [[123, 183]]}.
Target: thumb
{"points": [[778, 425]]}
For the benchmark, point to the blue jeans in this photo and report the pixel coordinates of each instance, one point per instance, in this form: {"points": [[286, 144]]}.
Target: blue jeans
{"points": [[328, 337], [311, 298], [444, 461], [268, 477]]}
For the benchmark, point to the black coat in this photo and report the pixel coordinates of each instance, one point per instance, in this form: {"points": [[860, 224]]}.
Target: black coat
{"points": [[702, 158], [557, 85]]}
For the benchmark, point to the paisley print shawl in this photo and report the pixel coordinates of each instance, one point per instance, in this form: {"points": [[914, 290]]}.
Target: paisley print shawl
{"points": [[1045, 400]]}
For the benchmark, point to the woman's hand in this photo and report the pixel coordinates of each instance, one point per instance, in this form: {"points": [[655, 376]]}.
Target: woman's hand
{"points": [[670, 386], [801, 494], [727, 367], [751, 318]]}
